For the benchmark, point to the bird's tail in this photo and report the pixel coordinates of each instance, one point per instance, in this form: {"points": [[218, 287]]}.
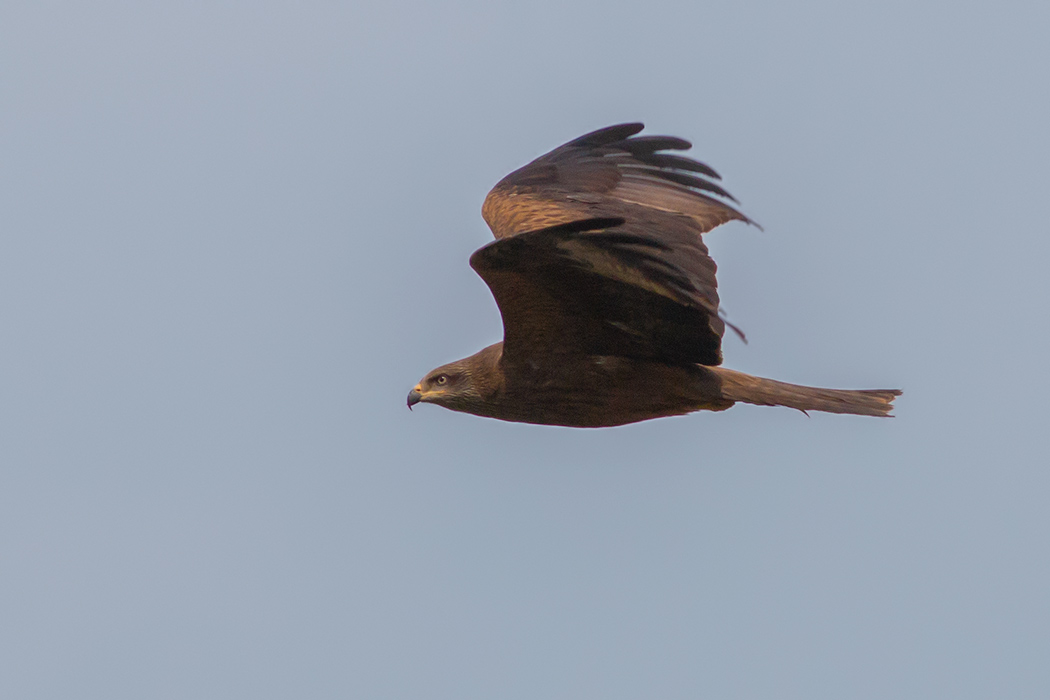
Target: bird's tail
{"points": [[737, 386]]}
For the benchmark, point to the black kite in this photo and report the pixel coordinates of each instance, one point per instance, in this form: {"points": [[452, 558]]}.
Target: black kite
{"points": [[608, 295]]}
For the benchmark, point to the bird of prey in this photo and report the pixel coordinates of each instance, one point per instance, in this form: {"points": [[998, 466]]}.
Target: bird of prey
{"points": [[608, 295]]}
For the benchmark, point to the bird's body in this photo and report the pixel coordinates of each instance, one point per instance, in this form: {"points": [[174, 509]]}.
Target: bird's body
{"points": [[581, 391], [608, 295]]}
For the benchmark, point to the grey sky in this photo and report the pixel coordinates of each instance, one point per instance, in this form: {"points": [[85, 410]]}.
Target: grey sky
{"points": [[233, 235]]}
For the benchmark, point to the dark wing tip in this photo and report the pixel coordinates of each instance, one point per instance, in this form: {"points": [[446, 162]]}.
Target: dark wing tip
{"points": [[607, 135], [694, 182], [667, 160], [650, 144]]}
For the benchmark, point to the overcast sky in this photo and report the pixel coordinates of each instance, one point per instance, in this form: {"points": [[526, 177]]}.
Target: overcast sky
{"points": [[234, 234]]}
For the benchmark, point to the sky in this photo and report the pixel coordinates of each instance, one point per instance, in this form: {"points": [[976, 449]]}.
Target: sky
{"points": [[233, 235]]}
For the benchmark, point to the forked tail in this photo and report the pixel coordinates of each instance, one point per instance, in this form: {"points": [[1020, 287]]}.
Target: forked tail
{"points": [[737, 386]]}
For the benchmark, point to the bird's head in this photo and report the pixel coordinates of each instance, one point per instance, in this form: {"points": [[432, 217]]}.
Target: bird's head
{"points": [[443, 386], [461, 386]]}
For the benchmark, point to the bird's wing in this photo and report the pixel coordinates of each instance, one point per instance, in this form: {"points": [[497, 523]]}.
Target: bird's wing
{"points": [[599, 250], [609, 173], [605, 287]]}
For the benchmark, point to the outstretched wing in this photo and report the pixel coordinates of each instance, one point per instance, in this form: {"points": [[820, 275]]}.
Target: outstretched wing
{"points": [[609, 172], [599, 251], [604, 287]]}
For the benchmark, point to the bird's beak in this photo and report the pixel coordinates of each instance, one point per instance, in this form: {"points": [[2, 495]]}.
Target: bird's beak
{"points": [[414, 397]]}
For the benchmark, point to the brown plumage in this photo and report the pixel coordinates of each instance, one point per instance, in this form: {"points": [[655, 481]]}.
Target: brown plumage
{"points": [[608, 295]]}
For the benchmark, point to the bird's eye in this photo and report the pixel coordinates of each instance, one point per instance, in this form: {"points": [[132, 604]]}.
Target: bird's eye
{"points": [[441, 379]]}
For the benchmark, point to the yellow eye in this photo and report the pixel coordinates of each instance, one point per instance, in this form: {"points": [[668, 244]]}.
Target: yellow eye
{"points": [[441, 379]]}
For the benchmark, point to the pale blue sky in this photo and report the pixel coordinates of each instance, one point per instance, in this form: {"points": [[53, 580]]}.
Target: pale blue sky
{"points": [[233, 235]]}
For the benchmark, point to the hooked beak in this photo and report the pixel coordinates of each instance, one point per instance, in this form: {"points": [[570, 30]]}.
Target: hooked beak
{"points": [[414, 397]]}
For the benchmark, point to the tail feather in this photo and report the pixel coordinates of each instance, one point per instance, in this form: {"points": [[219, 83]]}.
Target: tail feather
{"points": [[737, 386]]}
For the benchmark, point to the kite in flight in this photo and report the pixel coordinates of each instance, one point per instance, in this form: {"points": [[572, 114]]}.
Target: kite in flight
{"points": [[608, 295]]}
